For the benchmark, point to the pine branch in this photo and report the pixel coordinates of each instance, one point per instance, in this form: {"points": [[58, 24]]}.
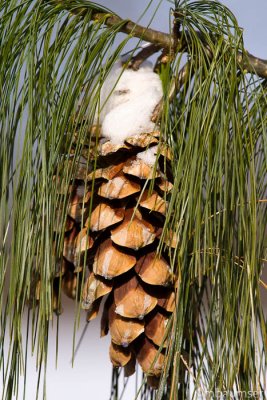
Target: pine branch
{"points": [[247, 61], [177, 83], [140, 57]]}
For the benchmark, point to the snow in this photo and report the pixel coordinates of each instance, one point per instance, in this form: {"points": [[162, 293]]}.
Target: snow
{"points": [[114, 187], [149, 156], [147, 302], [120, 310], [106, 264], [126, 337], [90, 298], [127, 101]]}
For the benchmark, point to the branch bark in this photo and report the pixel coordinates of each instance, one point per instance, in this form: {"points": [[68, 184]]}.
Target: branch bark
{"points": [[250, 63], [177, 83], [144, 54]]}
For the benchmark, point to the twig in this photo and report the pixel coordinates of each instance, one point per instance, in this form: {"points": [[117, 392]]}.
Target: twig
{"points": [[163, 58], [250, 63], [177, 82], [176, 36], [144, 54], [253, 64]]}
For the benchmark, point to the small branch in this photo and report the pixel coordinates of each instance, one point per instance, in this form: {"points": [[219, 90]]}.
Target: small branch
{"points": [[253, 64], [176, 37], [250, 63], [177, 83], [161, 39], [144, 54], [149, 35]]}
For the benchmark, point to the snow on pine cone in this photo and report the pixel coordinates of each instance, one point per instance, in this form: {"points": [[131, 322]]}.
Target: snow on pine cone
{"points": [[117, 243]]}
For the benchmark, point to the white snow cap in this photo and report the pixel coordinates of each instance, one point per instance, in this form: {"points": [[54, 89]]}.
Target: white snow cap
{"points": [[128, 110], [149, 156]]}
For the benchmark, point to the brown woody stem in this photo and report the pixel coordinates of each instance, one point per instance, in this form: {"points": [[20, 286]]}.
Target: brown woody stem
{"points": [[177, 83], [144, 54], [250, 63]]}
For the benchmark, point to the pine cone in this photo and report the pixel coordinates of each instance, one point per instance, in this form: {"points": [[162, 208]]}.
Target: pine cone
{"points": [[117, 242]]}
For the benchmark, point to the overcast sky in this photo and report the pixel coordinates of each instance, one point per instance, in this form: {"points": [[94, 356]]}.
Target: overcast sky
{"points": [[90, 377]]}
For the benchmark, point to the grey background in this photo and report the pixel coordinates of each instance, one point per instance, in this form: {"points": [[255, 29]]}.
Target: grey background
{"points": [[91, 376]]}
